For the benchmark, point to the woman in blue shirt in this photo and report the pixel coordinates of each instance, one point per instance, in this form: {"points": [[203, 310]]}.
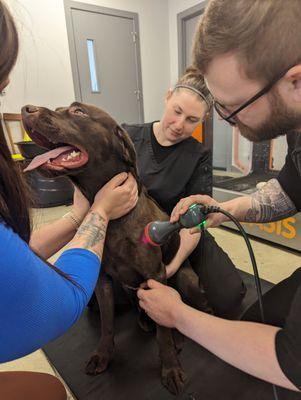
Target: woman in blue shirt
{"points": [[39, 302]]}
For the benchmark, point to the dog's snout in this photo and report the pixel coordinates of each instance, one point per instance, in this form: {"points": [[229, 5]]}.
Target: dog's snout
{"points": [[31, 109], [30, 115]]}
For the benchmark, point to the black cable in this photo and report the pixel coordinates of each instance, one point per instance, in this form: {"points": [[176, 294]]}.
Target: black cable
{"points": [[214, 209]]}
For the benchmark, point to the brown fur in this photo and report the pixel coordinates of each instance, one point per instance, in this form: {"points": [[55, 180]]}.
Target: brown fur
{"points": [[125, 258]]}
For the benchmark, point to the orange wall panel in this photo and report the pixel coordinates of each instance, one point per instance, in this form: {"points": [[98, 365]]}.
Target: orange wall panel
{"points": [[198, 132]]}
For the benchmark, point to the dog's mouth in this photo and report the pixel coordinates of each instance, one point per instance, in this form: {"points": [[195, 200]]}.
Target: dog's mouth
{"points": [[61, 156]]}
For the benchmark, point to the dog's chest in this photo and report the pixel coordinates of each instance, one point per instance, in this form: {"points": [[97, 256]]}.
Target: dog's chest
{"points": [[127, 258]]}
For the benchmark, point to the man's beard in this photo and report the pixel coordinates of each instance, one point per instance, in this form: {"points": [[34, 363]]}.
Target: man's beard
{"points": [[281, 121]]}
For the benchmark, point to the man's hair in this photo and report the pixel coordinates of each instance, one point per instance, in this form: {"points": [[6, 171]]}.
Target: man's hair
{"points": [[265, 35]]}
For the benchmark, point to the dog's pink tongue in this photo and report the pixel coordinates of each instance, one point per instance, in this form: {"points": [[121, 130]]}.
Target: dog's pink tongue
{"points": [[43, 158]]}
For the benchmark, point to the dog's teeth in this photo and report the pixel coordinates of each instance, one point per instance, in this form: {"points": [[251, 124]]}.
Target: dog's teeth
{"points": [[73, 154]]}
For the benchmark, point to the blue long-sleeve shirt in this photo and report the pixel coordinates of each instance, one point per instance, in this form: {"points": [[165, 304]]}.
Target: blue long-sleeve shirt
{"points": [[37, 304]]}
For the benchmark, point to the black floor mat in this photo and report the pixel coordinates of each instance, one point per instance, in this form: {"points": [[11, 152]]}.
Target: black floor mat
{"points": [[134, 372]]}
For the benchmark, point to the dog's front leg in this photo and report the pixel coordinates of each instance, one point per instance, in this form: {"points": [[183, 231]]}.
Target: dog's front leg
{"points": [[100, 359], [172, 374]]}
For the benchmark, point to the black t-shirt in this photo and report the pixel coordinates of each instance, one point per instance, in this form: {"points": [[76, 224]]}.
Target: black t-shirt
{"points": [[161, 152], [173, 172], [290, 175]]}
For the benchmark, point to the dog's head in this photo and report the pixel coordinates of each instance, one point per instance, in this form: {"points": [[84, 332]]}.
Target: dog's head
{"points": [[84, 142]]}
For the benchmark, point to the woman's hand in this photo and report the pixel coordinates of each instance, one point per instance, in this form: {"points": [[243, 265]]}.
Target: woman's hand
{"points": [[160, 302], [212, 220], [117, 197]]}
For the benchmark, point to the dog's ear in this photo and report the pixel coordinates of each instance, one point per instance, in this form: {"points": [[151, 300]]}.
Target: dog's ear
{"points": [[128, 154]]}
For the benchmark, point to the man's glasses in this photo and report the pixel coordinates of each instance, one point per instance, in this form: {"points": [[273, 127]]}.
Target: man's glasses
{"points": [[222, 111]]}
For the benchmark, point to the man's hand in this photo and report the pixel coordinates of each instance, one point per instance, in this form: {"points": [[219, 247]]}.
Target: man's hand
{"points": [[160, 302], [212, 220]]}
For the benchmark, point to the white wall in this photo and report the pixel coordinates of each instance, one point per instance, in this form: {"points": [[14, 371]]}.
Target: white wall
{"points": [[43, 74], [175, 7]]}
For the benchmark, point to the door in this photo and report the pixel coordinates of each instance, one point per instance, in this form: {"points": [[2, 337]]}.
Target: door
{"points": [[105, 58], [221, 143]]}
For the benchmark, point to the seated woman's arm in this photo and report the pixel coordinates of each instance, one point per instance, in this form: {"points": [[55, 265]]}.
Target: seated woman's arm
{"points": [[201, 180], [187, 245], [199, 183]]}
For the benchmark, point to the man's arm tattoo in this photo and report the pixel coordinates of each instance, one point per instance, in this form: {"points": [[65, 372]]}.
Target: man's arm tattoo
{"points": [[270, 203]]}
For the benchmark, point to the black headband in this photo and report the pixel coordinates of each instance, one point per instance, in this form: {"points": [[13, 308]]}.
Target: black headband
{"points": [[195, 91]]}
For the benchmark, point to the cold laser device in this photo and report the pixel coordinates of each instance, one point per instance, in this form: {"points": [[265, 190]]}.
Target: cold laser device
{"points": [[158, 232]]}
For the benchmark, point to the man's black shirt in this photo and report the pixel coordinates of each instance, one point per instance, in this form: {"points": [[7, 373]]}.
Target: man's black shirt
{"points": [[290, 175]]}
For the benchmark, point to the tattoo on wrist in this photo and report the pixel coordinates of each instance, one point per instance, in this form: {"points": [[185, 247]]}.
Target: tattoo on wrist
{"points": [[270, 203], [92, 230]]}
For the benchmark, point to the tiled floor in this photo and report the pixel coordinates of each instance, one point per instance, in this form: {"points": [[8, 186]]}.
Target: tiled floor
{"points": [[274, 264]]}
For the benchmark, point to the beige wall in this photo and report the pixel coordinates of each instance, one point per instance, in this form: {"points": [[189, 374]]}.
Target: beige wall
{"points": [[43, 71]]}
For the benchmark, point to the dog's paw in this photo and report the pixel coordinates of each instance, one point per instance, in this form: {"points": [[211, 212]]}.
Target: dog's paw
{"points": [[97, 364], [173, 379]]}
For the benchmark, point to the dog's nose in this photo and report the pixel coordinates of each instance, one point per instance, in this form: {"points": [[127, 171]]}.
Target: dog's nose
{"points": [[29, 109]]}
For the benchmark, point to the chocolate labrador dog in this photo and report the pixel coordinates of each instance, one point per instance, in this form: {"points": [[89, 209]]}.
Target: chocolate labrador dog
{"points": [[86, 144]]}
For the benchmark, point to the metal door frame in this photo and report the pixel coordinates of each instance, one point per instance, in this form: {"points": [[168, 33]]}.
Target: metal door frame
{"points": [[70, 5], [182, 17]]}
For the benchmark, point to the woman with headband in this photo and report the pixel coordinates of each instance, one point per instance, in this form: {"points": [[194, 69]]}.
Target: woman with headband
{"points": [[172, 165]]}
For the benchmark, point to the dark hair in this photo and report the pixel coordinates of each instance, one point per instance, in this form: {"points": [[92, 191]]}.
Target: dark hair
{"points": [[194, 79], [14, 197]]}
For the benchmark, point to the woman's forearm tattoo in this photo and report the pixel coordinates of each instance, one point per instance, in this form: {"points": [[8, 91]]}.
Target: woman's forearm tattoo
{"points": [[270, 203], [92, 230]]}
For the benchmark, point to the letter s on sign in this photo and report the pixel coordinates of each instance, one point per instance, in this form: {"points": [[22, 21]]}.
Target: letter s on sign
{"points": [[291, 230]]}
